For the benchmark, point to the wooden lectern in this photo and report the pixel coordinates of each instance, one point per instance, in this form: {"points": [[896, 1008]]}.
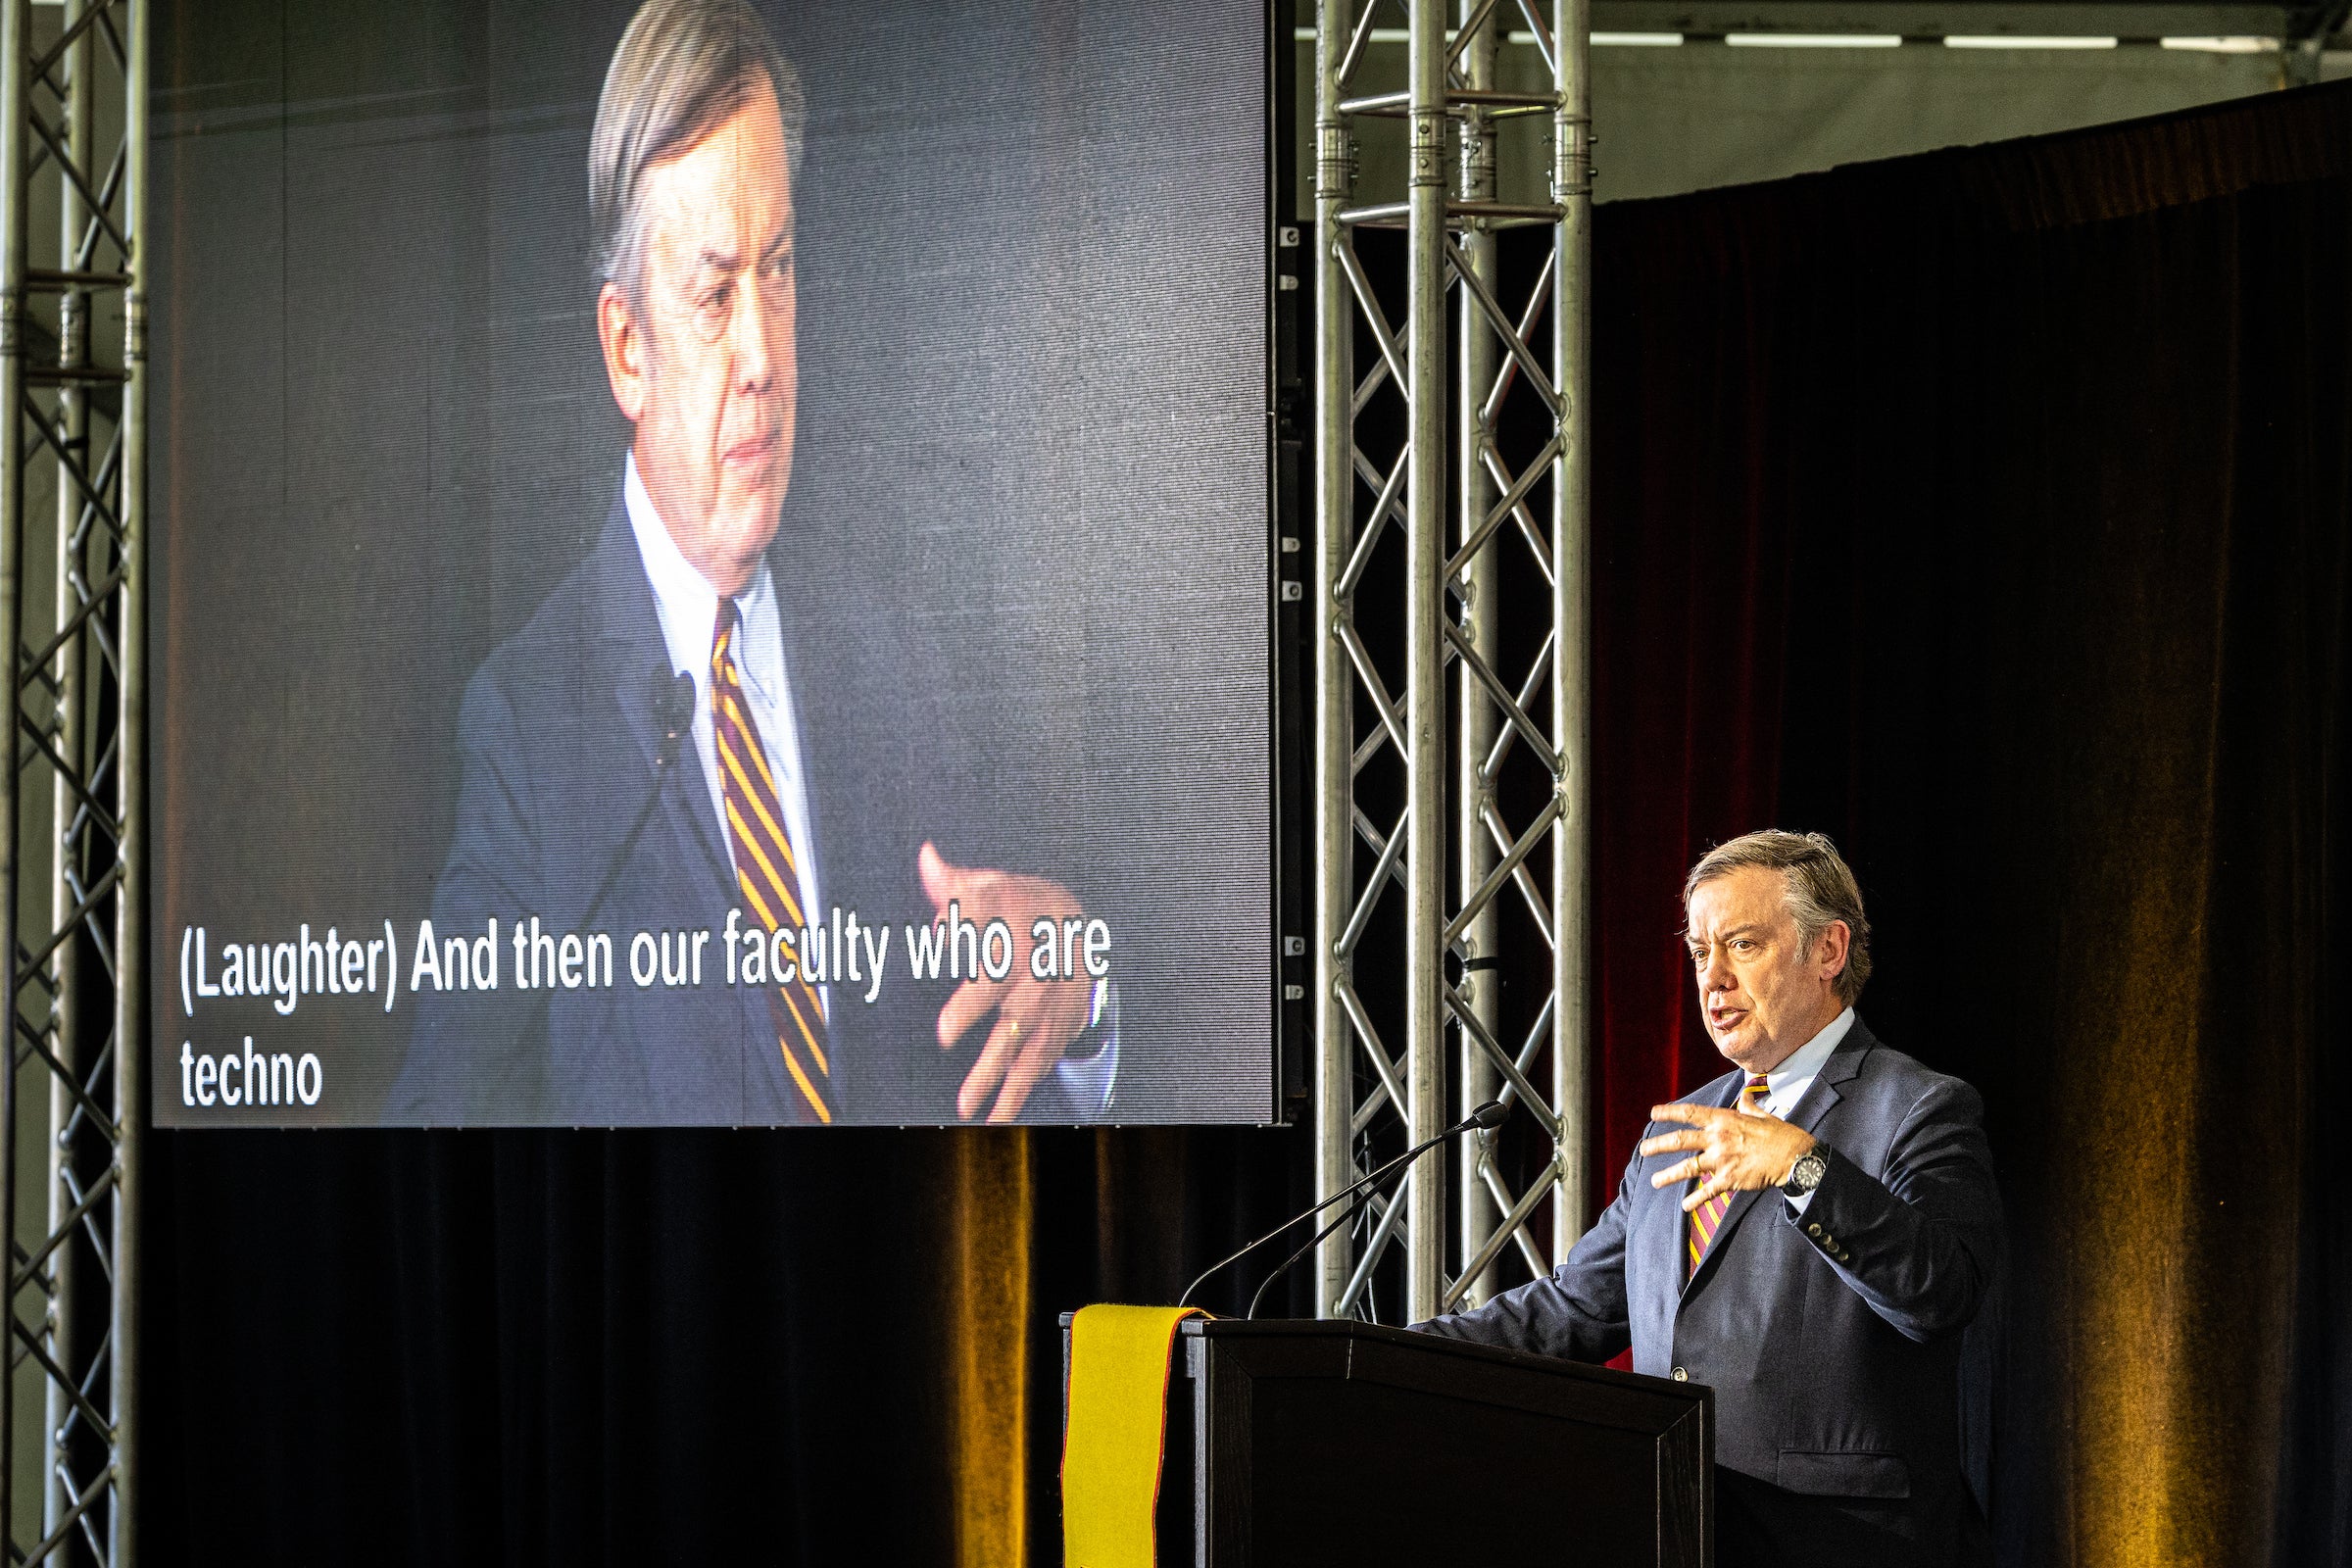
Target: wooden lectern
{"points": [[1301, 1443]]}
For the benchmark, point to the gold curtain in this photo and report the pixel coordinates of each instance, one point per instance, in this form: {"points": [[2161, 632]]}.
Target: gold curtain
{"points": [[992, 1177]]}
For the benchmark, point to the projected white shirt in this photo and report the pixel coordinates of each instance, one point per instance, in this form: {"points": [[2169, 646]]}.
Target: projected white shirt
{"points": [[689, 608]]}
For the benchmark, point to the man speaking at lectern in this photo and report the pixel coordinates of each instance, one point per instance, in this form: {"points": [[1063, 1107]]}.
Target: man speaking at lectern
{"points": [[586, 799], [1808, 1235]]}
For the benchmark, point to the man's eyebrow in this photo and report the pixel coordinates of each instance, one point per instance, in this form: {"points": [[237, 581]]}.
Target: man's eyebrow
{"points": [[1735, 931], [781, 245], [724, 261]]}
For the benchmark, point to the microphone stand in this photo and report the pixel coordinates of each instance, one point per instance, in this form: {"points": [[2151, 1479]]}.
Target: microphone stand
{"points": [[1346, 1217], [1489, 1116], [673, 705], [673, 701]]}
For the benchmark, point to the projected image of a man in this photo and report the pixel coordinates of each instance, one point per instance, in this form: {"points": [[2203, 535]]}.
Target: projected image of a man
{"points": [[570, 813], [698, 335]]}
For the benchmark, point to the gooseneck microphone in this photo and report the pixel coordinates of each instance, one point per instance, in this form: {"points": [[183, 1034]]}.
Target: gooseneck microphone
{"points": [[1487, 1117], [673, 710]]}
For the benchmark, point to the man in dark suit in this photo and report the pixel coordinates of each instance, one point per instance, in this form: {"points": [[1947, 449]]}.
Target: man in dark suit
{"points": [[684, 742], [1808, 1235]]}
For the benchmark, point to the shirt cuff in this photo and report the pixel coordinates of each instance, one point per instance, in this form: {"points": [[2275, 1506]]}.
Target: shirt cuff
{"points": [[1088, 1081]]}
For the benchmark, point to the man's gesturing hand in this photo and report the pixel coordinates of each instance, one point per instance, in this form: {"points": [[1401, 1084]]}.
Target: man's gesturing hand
{"points": [[1036, 1019], [1737, 1151]]}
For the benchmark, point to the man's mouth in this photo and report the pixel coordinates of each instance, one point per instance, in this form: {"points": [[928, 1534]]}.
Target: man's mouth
{"points": [[751, 451], [1725, 1020]]}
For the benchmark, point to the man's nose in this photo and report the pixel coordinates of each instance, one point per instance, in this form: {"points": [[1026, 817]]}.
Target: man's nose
{"points": [[753, 353], [1717, 975]]}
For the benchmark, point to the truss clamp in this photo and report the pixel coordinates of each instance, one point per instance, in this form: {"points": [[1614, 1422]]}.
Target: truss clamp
{"points": [[1572, 167], [1335, 161], [1430, 126]]}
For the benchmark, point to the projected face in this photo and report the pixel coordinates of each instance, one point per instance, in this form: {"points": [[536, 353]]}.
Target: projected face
{"points": [[706, 370], [1764, 996]]}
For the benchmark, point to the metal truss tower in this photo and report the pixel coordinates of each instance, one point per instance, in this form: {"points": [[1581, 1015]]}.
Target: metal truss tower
{"points": [[74, 149], [1486, 745]]}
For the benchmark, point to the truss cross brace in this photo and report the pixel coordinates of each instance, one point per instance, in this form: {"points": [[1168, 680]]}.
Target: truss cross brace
{"points": [[1470, 366], [73, 95]]}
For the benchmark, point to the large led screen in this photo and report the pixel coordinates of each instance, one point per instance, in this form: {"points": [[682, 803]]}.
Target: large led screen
{"points": [[712, 564]]}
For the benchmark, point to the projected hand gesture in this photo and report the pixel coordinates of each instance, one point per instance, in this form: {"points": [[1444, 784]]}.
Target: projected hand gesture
{"points": [[1035, 1019]]}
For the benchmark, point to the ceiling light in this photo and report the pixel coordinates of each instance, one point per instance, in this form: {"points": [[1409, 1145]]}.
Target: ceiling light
{"points": [[2020, 41], [1814, 41]]}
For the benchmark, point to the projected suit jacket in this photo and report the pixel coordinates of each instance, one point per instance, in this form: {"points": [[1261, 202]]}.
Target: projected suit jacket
{"points": [[1832, 1341], [559, 731]]}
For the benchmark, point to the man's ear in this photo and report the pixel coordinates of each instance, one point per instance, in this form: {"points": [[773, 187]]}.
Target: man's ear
{"points": [[1830, 947], [624, 345]]}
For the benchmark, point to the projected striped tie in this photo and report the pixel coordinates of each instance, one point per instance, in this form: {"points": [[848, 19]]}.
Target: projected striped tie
{"points": [[765, 868], [1709, 1215]]}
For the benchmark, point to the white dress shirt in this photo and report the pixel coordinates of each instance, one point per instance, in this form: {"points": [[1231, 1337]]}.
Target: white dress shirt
{"points": [[688, 607], [1786, 1084]]}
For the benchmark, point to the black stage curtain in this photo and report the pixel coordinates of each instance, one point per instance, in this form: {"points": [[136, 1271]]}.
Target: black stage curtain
{"points": [[1996, 502], [1987, 511]]}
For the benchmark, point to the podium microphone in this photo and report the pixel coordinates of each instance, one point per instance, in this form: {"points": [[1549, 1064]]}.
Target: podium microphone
{"points": [[673, 710], [1487, 1117], [673, 704]]}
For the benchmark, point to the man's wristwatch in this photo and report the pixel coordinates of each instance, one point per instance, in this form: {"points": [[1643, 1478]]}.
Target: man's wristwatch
{"points": [[1806, 1174]]}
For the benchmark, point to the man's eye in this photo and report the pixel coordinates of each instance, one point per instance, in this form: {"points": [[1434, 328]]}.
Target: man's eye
{"points": [[777, 266]]}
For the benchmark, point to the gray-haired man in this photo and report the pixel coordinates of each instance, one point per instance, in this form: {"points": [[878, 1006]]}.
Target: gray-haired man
{"points": [[1808, 1234], [795, 849]]}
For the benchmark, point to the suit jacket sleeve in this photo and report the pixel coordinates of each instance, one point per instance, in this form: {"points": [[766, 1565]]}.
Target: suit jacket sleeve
{"points": [[1923, 1244], [468, 1054], [1577, 1313]]}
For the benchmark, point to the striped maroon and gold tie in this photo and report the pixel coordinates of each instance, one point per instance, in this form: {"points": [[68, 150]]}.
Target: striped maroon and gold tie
{"points": [[1709, 1215], [765, 868]]}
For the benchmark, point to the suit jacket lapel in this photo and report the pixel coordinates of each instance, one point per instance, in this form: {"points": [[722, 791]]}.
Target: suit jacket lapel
{"points": [[1661, 1220], [1843, 1064], [632, 658]]}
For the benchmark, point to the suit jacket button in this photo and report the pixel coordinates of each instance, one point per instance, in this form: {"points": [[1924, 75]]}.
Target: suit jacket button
{"points": [[1813, 1230], [1681, 1376], [1830, 1241]]}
